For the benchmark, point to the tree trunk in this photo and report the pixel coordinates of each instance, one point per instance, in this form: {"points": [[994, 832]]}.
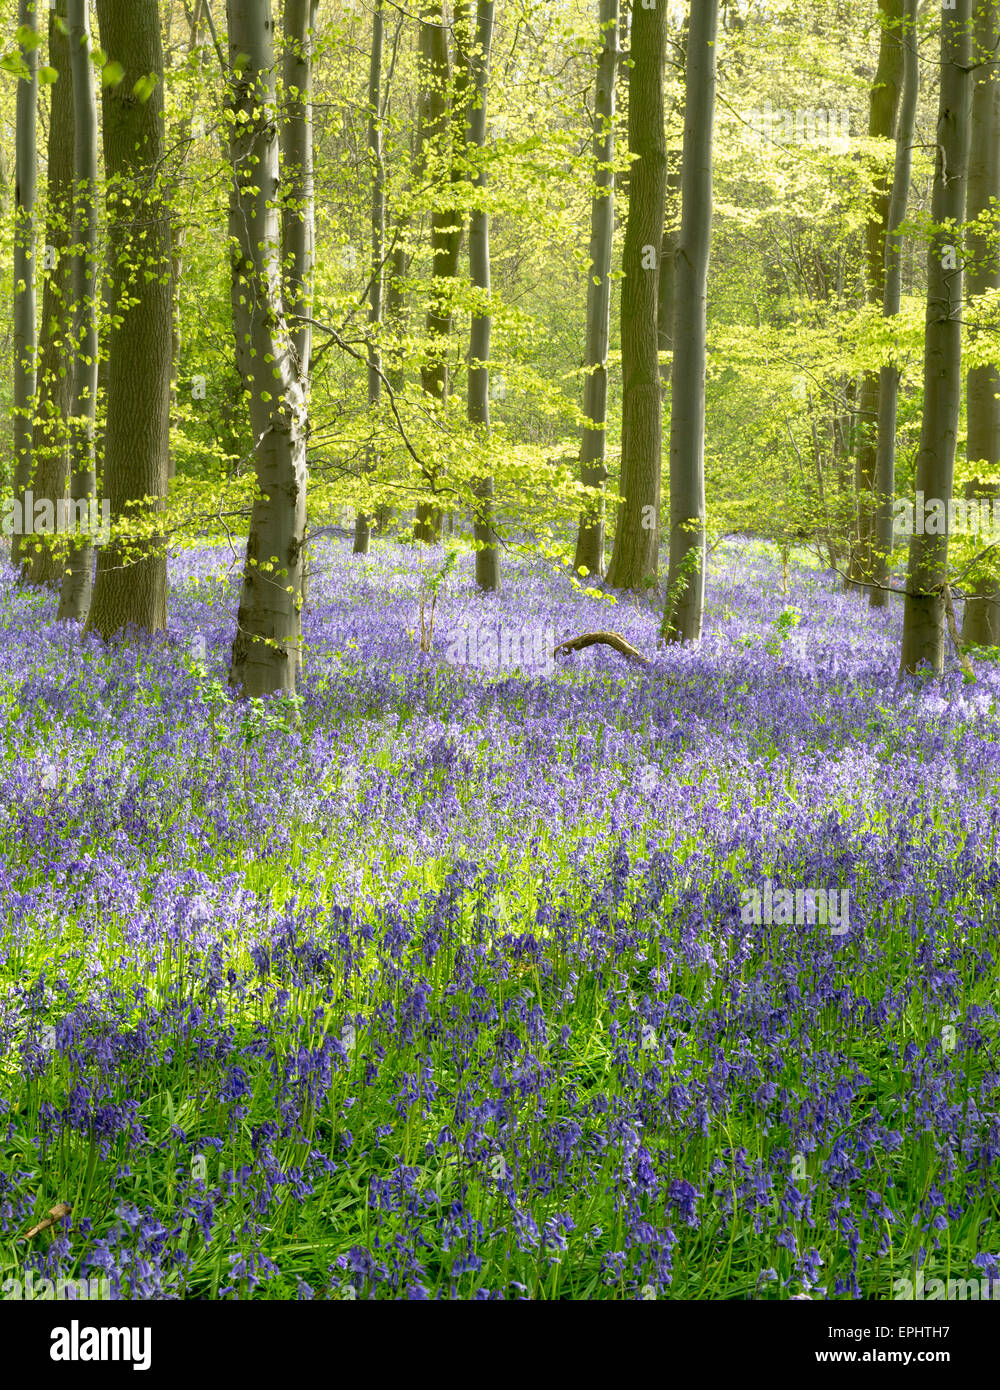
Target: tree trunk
{"points": [[178, 229], [74, 597], [885, 463], [671, 236], [362, 523], [24, 307], [883, 104], [487, 549], [924, 612], [682, 615], [594, 444], [267, 645], [4, 182], [131, 584], [637, 535], [981, 620], [437, 165], [395, 293], [298, 218], [51, 427], [665, 307]]}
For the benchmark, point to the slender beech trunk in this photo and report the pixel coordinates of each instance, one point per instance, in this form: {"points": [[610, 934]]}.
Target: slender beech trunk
{"points": [[924, 611], [74, 597], [635, 556], [267, 645], [437, 162], [24, 315], [671, 234], [981, 621], [178, 228], [396, 319], [665, 307], [594, 444], [362, 523], [487, 549], [51, 428], [888, 396], [682, 615], [393, 285], [298, 218], [131, 583], [883, 105]]}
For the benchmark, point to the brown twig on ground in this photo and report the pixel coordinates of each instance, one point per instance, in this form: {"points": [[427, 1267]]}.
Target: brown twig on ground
{"points": [[607, 639]]}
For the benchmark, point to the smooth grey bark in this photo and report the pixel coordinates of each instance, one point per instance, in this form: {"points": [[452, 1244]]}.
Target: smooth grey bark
{"points": [[43, 565], [178, 229], [635, 556], [981, 619], [4, 182], [24, 306], [594, 443], [298, 218], [478, 404], [885, 462], [883, 105], [131, 583], [671, 231], [685, 602], [436, 162], [665, 307], [267, 645], [924, 609], [74, 597], [298, 215], [376, 157], [396, 318]]}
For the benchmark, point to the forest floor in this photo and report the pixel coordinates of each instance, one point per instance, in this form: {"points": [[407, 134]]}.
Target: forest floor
{"points": [[451, 985]]}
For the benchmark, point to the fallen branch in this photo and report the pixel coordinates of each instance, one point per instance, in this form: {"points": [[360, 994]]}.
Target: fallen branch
{"points": [[607, 639], [56, 1214]]}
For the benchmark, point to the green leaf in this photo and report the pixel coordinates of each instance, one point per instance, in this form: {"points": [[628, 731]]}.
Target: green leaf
{"points": [[144, 87], [112, 74], [14, 64], [28, 38], [98, 57], [47, 76]]}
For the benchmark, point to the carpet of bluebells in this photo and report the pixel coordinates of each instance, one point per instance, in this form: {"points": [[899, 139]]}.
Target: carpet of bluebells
{"points": [[437, 983]]}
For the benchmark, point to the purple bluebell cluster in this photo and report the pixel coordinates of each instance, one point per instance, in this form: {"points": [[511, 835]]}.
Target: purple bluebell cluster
{"points": [[439, 986]]}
